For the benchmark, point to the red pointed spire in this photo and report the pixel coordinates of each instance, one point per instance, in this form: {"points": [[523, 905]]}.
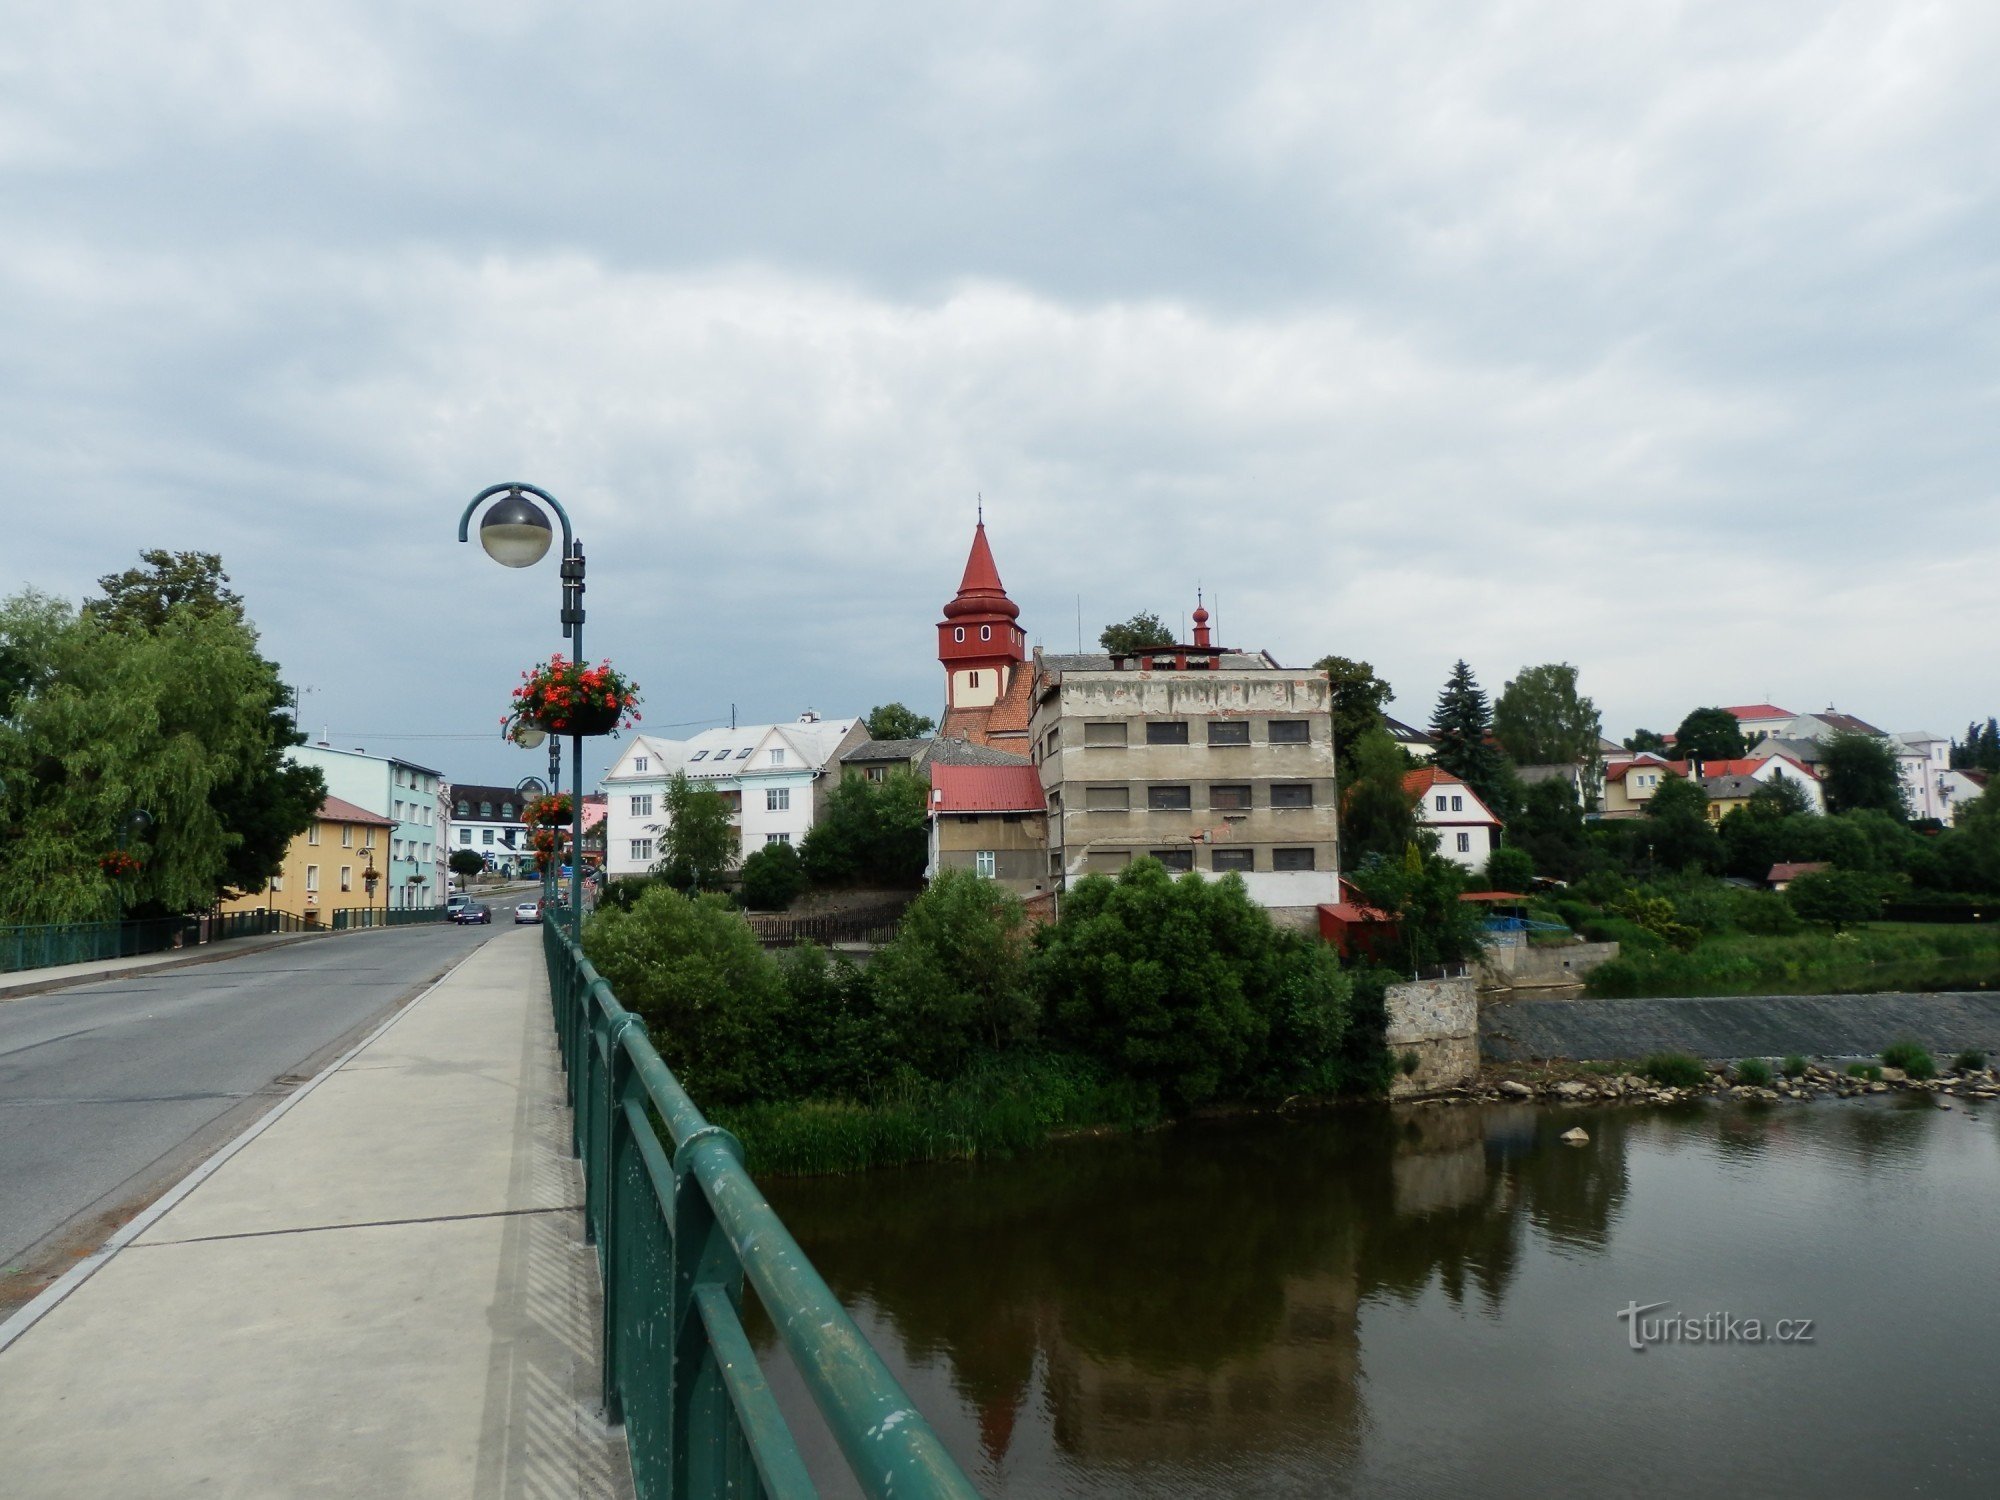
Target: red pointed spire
{"points": [[980, 590]]}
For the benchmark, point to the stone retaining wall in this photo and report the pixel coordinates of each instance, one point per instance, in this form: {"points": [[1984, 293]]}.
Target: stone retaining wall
{"points": [[1746, 1026], [1438, 1020], [1525, 966]]}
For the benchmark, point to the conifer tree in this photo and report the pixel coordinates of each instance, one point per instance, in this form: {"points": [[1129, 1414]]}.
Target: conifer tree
{"points": [[1460, 726]]}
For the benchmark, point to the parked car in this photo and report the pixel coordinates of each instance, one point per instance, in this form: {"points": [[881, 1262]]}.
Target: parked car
{"points": [[528, 911], [476, 912]]}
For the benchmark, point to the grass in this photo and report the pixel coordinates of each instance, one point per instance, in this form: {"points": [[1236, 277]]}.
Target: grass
{"points": [[1883, 956], [1675, 1070], [1867, 1072], [1754, 1072], [1970, 1061], [1001, 1109], [1795, 1066], [1911, 1058]]}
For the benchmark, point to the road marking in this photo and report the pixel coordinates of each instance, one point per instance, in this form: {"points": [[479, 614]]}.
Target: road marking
{"points": [[56, 1292]]}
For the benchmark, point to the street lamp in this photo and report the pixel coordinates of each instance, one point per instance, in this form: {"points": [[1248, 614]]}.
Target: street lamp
{"points": [[515, 532]]}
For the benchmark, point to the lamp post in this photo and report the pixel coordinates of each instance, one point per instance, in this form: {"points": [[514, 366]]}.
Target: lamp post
{"points": [[134, 823], [516, 534]]}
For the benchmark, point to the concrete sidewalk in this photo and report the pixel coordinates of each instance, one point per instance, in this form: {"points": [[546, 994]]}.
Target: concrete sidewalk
{"points": [[386, 1292], [23, 982]]}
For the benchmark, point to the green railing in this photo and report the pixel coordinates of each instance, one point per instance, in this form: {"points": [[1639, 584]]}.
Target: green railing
{"points": [[50, 944], [240, 924], [679, 1226], [354, 918]]}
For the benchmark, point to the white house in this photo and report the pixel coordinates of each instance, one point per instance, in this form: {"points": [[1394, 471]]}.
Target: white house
{"points": [[1922, 759], [1466, 828], [1759, 721], [773, 776], [1956, 788]]}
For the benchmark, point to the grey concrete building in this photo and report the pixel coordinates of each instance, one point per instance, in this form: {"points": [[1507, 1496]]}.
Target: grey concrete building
{"points": [[1206, 758]]}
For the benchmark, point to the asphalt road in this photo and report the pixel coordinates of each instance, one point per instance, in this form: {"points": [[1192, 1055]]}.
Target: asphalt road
{"points": [[111, 1092]]}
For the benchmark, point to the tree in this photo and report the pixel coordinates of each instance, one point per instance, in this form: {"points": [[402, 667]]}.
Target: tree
{"points": [[773, 877], [1421, 891], [1129, 636], [1378, 814], [1182, 985], [1859, 771], [120, 708], [873, 832], [1509, 868], [1359, 699], [1678, 831], [466, 862], [892, 721], [1461, 726], [1550, 828], [1782, 796], [1840, 898], [953, 982], [1541, 720], [1647, 739], [1710, 734], [698, 845], [711, 998], [143, 598]]}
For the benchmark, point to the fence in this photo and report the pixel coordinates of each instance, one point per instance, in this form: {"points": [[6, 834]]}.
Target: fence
{"points": [[789, 932], [678, 1226], [354, 918]]}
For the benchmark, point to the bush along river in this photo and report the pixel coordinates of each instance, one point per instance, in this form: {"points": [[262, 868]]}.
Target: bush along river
{"points": [[1720, 1295]]}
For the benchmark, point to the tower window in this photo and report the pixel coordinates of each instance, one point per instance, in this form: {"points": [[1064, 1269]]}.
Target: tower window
{"points": [[986, 632], [958, 632], [974, 682]]}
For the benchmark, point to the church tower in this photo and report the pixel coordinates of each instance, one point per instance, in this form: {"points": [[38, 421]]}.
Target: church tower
{"points": [[982, 649]]}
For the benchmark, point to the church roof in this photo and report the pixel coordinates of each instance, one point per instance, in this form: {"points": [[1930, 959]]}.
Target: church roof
{"points": [[980, 591]]}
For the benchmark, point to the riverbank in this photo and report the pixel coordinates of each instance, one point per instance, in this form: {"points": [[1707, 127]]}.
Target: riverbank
{"points": [[1772, 1080], [1876, 957]]}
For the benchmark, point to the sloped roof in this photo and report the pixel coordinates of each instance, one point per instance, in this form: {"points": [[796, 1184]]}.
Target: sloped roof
{"points": [[1424, 778], [977, 789], [1007, 718], [887, 750], [716, 754], [1730, 788], [1759, 711], [980, 591], [339, 810], [945, 752], [1794, 871]]}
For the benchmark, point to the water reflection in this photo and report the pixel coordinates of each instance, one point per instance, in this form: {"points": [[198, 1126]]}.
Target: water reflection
{"points": [[1190, 1311]]}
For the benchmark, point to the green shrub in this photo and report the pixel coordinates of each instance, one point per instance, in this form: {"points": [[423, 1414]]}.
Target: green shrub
{"points": [[953, 983], [1795, 1066], [1764, 913], [1970, 1061], [1409, 1062], [1675, 1070], [1866, 1071], [1911, 1058], [1755, 1072], [1509, 869], [773, 878]]}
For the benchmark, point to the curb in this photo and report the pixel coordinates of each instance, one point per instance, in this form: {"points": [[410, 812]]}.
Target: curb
{"points": [[58, 1291]]}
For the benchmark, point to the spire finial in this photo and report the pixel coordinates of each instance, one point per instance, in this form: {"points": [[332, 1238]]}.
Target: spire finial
{"points": [[982, 509]]}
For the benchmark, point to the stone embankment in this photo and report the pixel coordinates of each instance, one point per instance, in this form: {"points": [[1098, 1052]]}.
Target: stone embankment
{"points": [[1560, 1085]]}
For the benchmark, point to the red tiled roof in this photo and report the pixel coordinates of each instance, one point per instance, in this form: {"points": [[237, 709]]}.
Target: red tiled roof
{"points": [[1004, 720], [977, 789], [335, 810], [1759, 711], [1794, 871], [1422, 779]]}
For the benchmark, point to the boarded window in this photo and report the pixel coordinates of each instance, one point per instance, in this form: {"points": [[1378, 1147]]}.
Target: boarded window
{"points": [[1229, 798], [1107, 798], [1167, 732], [1233, 859], [1169, 798], [1104, 735], [1110, 859], [1290, 732], [1291, 859], [1291, 794]]}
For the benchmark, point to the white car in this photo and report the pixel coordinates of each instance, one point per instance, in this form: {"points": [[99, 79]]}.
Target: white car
{"points": [[528, 911]]}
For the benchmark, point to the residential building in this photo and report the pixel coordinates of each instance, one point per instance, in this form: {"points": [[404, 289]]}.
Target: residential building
{"points": [[1922, 759], [1782, 875], [405, 793], [1630, 784], [1416, 744], [328, 867], [1466, 828], [1759, 721], [1956, 787], [992, 820], [489, 821], [876, 759], [984, 653], [774, 778], [1207, 758]]}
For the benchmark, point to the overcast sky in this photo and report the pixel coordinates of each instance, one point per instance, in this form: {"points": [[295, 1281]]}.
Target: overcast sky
{"points": [[1660, 338]]}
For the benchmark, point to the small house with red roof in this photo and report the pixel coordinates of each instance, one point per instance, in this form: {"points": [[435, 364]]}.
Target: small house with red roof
{"points": [[992, 820], [1758, 721], [1467, 830]]}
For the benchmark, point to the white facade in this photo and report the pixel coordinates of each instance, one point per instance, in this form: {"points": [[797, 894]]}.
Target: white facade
{"points": [[1955, 789], [1922, 760], [1466, 829], [1780, 767], [772, 776]]}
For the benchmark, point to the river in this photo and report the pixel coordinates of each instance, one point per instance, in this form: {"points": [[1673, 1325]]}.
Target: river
{"points": [[1418, 1301]]}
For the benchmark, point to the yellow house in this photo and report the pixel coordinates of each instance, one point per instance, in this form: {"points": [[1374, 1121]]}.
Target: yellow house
{"points": [[328, 866]]}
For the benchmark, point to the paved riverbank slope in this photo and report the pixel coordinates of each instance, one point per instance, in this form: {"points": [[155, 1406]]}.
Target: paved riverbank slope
{"points": [[1739, 1026]]}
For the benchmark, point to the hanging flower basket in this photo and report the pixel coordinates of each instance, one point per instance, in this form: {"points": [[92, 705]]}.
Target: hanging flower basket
{"points": [[118, 864], [552, 811], [567, 697]]}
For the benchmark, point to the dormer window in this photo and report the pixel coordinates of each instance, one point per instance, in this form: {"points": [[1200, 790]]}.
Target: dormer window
{"points": [[486, 809], [465, 809], [507, 810]]}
